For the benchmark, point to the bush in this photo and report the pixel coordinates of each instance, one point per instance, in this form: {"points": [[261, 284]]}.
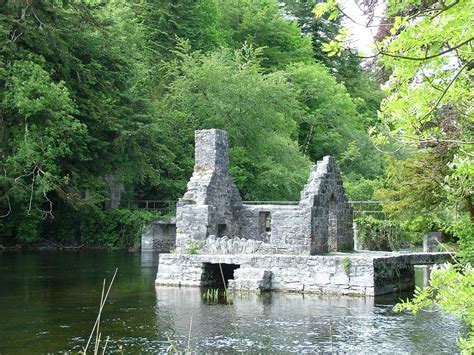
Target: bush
{"points": [[115, 229], [463, 229], [379, 234]]}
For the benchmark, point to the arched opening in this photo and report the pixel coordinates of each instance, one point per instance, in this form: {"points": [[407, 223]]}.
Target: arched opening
{"points": [[212, 275]]}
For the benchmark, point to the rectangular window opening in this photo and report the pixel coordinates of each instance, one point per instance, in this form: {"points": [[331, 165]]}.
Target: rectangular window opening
{"points": [[221, 230], [265, 222]]}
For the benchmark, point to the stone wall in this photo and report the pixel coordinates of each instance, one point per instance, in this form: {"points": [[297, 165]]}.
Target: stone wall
{"points": [[159, 236], [331, 214], [368, 273], [286, 228]]}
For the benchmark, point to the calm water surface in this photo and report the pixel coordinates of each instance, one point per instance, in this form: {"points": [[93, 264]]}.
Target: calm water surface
{"points": [[49, 301]]}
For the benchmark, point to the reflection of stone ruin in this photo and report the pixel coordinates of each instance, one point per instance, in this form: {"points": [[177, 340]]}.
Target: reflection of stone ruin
{"points": [[268, 246], [212, 211]]}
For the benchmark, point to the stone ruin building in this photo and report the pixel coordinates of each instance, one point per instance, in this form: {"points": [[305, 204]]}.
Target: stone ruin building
{"points": [[302, 247], [212, 209]]}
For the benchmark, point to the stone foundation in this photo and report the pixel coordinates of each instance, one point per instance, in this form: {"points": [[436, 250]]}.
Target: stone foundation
{"points": [[364, 274]]}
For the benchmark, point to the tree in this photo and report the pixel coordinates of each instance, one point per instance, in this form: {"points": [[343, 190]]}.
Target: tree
{"points": [[228, 89], [346, 67], [331, 123], [71, 97], [167, 22], [428, 110], [261, 24]]}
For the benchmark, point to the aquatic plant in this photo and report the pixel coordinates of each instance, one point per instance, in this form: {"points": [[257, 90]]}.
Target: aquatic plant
{"points": [[211, 295]]}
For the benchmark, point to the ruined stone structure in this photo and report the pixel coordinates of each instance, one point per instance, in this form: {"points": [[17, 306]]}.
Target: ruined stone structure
{"points": [[274, 247], [432, 241], [159, 236], [211, 212]]}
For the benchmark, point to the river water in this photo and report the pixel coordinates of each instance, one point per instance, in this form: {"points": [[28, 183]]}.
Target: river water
{"points": [[49, 301]]}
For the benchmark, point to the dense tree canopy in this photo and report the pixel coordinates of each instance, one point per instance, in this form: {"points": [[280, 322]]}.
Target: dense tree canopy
{"points": [[115, 88]]}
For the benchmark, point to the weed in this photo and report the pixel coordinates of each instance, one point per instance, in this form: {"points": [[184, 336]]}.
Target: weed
{"points": [[193, 248], [346, 265], [96, 326]]}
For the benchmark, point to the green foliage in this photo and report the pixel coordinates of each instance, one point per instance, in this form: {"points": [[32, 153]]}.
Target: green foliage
{"points": [[434, 111], [463, 229], [167, 22], [98, 88], [451, 290], [20, 228], [74, 109], [39, 132], [428, 113], [92, 227], [421, 200], [116, 229], [260, 24], [331, 124], [379, 234], [359, 188], [193, 247], [228, 90]]}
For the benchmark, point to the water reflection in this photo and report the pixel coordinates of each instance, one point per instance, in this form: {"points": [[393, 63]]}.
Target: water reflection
{"points": [[285, 322]]}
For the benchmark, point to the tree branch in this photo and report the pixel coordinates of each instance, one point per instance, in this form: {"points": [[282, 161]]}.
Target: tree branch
{"points": [[9, 208], [425, 57], [445, 91]]}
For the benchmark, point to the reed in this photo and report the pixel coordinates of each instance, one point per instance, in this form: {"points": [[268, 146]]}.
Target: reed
{"points": [[96, 327], [211, 295]]}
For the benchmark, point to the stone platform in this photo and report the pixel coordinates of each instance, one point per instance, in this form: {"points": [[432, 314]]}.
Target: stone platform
{"points": [[357, 273]]}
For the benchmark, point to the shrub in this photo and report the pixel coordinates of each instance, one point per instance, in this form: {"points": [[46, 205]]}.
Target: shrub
{"points": [[379, 234], [115, 229]]}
